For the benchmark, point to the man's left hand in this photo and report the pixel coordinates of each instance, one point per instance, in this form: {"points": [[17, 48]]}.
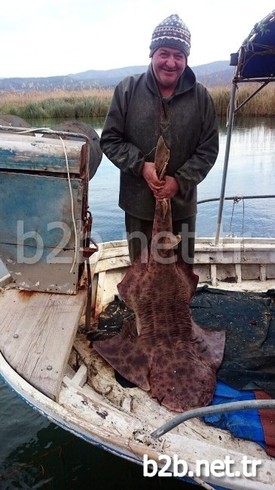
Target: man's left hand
{"points": [[169, 189]]}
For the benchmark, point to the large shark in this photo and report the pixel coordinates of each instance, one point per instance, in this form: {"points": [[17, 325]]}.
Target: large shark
{"points": [[161, 349]]}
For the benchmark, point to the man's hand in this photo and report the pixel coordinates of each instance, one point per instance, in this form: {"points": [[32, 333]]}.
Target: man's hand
{"points": [[162, 189], [168, 190], [150, 175]]}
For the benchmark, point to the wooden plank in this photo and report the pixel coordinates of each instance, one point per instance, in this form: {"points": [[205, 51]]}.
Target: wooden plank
{"points": [[110, 253], [117, 249], [99, 293], [234, 257], [36, 210], [37, 242], [37, 331], [37, 153], [110, 264]]}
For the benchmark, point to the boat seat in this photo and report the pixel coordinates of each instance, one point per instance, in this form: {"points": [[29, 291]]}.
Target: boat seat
{"points": [[37, 331]]}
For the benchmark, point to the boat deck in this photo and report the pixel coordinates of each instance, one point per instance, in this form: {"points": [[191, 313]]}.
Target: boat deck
{"points": [[37, 331]]}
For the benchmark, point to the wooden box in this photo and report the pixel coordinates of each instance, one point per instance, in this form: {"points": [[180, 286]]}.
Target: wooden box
{"points": [[43, 204]]}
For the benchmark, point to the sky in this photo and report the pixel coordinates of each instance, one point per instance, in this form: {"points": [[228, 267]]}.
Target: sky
{"points": [[59, 37]]}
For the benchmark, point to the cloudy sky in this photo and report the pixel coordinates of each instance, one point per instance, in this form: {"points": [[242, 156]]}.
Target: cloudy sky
{"points": [[58, 37]]}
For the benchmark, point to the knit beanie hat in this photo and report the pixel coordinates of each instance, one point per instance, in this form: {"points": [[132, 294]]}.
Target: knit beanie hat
{"points": [[173, 33]]}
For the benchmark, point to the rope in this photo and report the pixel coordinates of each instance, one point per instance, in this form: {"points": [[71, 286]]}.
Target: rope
{"points": [[45, 130], [236, 200], [243, 217], [72, 204]]}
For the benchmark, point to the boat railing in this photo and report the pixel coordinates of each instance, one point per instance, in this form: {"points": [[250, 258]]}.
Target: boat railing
{"points": [[235, 199]]}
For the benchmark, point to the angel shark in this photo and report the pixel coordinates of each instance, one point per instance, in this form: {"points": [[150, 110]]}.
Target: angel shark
{"points": [[161, 349]]}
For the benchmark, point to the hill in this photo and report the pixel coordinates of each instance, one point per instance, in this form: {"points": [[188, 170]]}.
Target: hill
{"points": [[210, 74]]}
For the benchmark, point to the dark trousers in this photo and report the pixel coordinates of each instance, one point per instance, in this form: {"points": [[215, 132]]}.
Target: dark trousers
{"points": [[139, 234]]}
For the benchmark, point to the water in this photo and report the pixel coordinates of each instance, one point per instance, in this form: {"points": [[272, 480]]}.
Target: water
{"points": [[251, 171], [36, 454]]}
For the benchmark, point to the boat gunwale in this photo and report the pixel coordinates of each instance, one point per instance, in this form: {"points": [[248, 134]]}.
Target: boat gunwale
{"points": [[133, 451]]}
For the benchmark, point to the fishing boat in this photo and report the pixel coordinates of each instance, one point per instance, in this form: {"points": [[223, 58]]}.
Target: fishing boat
{"points": [[59, 288]]}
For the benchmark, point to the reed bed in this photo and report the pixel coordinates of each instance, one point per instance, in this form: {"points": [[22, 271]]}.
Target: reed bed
{"points": [[94, 103], [261, 105], [60, 104]]}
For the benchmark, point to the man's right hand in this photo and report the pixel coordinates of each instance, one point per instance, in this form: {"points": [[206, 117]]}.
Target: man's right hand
{"points": [[150, 175]]}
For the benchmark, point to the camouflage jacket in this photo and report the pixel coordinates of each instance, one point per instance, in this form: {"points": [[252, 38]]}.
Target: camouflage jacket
{"points": [[138, 114]]}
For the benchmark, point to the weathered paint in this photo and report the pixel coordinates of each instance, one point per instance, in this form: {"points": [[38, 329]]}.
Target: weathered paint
{"points": [[39, 153], [41, 223]]}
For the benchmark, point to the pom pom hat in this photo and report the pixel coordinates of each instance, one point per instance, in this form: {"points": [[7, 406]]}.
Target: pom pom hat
{"points": [[172, 32]]}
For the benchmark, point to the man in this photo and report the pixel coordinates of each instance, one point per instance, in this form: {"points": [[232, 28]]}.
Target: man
{"points": [[166, 100]]}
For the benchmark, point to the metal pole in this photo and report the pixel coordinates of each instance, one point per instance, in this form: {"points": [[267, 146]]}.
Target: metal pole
{"points": [[226, 158], [210, 410]]}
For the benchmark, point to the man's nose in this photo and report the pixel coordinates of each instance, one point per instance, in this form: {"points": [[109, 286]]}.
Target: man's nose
{"points": [[171, 62]]}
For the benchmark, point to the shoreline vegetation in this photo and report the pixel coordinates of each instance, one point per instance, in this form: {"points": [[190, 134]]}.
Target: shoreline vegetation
{"points": [[94, 103]]}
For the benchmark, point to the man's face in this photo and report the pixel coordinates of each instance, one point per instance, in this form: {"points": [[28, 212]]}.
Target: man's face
{"points": [[168, 65]]}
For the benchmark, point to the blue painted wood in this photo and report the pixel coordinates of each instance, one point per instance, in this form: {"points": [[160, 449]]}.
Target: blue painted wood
{"points": [[36, 153], [38, 204], [40, 221]]}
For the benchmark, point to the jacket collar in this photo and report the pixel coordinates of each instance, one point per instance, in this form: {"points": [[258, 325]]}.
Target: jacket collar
{"points": [[185, 83]]}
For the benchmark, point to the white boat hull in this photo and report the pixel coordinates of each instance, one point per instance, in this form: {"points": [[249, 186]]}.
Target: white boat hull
{"points": [[120, 420]]}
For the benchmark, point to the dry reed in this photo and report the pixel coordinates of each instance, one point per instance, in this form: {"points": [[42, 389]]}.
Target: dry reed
{"points": [[95, 102]]}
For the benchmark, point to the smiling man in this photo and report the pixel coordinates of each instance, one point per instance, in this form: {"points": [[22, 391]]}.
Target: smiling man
{"points": [[168, 65], [166, 100]]}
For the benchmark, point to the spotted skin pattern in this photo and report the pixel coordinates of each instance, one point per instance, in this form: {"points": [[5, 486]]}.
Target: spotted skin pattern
{"points": [[168, 355]]}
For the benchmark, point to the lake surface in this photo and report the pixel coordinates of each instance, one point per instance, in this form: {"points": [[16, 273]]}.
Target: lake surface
{"points": [[36, 454], [251, 171]]}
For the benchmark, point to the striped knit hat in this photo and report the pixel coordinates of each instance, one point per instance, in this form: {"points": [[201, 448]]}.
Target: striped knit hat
{"points": [[173, 33]]}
